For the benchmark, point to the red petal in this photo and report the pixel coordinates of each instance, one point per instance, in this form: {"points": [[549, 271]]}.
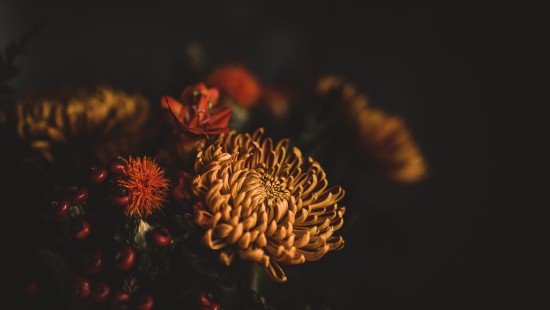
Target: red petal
{"points": [[213, 95], [202, 107], [197, 131], [220, 118], [176, 108]]}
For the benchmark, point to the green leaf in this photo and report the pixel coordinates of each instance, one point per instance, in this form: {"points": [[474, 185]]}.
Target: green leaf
{"points": [[58, 266]]}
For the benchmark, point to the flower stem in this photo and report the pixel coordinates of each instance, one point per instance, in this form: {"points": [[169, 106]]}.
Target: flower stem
{"points": [[254, 277]]}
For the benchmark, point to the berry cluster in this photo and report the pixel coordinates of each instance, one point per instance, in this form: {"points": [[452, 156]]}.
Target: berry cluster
{"points": [[115, 256]]}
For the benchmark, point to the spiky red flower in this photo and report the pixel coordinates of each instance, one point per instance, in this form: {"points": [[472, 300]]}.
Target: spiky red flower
{"points": [[146, 185], [236, 82]]}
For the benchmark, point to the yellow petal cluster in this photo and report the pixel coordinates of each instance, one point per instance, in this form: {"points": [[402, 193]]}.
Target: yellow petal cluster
{"points": [[383, 140], [390, 143], [264, 202], [101, 113]]}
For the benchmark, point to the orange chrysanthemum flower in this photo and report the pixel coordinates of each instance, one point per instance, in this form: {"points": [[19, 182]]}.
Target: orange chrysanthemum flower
{"points": [[263, 202], [237, 83], [146, 185]]}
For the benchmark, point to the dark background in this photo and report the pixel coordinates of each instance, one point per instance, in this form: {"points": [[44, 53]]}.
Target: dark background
{"points": [[468, 79]]}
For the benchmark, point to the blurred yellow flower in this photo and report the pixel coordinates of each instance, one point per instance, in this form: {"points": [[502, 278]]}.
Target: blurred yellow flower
{"points": [[98, 114], [383, 140]]}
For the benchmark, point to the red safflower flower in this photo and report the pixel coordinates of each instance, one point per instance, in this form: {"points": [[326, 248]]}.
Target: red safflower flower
{"points": [[146, 185]]}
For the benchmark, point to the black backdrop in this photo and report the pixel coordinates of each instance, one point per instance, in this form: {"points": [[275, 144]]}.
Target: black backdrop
{"points": [[467, 78]]}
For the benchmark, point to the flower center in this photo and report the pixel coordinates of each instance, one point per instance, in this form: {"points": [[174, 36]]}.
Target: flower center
{"points": [[272, 189]]}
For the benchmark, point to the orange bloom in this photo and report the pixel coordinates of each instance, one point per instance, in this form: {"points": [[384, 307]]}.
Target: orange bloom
{"points": [[264, 202], [237, 83], [146, 185], [197, 114]]}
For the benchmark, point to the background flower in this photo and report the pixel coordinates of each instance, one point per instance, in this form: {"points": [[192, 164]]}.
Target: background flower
{"points": [[107, 120], [381, 141], [236, 82]]}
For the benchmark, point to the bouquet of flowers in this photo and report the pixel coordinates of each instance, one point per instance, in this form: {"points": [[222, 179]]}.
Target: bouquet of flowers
{"points": [[207, 199]]}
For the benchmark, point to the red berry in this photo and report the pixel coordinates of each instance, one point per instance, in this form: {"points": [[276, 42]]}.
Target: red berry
{"points": [[121, 300], [82, 230], [145, 302], [98, 175], [100, 291], [125, 258], [205, 299], [161, 237], [117, 166], [32, 288], [60, 207], [81, 287], [121, 200], [216, 306], [93, 262], [78, 195]]}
